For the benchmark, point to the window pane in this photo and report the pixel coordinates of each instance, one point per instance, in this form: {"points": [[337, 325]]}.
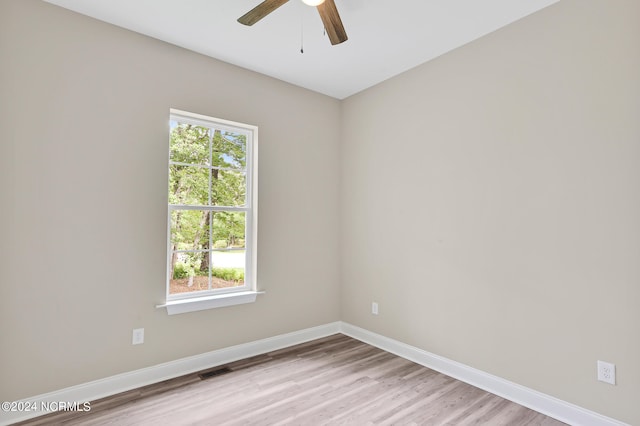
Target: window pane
{"points": [[228, 188], [190, 230], [228, 257], [227, 268], [189, 143], [189, 185], [189, 272], [229, 230], [229, 150]]}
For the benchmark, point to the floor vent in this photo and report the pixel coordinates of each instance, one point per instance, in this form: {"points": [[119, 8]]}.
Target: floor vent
{"points": [[213, 373]]}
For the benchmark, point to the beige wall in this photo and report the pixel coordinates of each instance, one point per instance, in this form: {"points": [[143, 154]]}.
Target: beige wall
{"points": [[85, 107], [491, 204]]}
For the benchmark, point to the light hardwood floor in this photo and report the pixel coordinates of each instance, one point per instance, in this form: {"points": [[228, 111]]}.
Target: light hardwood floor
{"points": [[332, 381]]}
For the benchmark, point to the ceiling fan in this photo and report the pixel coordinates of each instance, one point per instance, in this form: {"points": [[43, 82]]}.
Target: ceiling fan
{"points": [[326, 8]]}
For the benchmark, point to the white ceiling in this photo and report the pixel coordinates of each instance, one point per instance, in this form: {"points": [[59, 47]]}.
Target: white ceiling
{"points": [[385, 37]]}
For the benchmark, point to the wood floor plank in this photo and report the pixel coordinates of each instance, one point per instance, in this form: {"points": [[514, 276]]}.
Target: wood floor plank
{"points": [[336, 380]]}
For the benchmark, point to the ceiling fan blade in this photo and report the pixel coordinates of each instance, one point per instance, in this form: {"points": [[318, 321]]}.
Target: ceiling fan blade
{"points": [[260, 11], [332, 22]]}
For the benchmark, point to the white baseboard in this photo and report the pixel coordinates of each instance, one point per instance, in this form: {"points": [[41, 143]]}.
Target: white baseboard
{"points": [[545, 404], [548, 405], [123, 382]]}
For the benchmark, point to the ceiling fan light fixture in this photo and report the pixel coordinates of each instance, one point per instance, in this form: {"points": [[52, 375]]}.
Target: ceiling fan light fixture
{"points": [[326, 8], [312, 2]]}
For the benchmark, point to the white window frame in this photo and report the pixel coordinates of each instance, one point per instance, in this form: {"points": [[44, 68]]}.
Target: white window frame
{"points": [[214, 298]]}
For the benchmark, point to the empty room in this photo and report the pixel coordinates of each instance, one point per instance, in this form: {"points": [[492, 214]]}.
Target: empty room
{"points": [[412, 212]]}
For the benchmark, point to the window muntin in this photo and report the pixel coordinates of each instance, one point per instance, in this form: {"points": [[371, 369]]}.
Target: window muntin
{"points": [[211, 211]]}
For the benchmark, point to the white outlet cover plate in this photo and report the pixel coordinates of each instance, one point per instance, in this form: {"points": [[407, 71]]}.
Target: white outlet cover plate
{"points": [[607, 372], [138, 336]]}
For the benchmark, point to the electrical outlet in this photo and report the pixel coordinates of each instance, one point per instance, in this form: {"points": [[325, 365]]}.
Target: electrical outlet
{"points": [[374, 308], [138, 336], [607, 372]]}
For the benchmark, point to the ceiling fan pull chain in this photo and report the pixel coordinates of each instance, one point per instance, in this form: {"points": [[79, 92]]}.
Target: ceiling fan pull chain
{"points": [[301, 33]]}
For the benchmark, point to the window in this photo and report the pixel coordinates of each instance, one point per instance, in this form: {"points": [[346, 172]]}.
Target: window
{"points": [[211, 244]]}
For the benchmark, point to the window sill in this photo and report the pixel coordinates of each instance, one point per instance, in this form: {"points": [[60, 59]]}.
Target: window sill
{"points": [[209, 302]]}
